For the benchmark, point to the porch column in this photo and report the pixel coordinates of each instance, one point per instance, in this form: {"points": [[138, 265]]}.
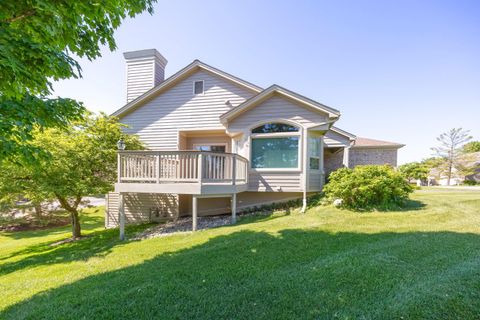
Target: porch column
{"points": [[121, 215], [194, 213], [234, 208]]}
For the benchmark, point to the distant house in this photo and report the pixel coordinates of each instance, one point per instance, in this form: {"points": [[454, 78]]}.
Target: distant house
{"points": [[438, 176], [217, 143]]}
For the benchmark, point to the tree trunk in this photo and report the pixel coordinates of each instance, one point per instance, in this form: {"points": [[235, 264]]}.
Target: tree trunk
{"points": [[38, 209], [72, 209], [76, 229], [449, 172]]}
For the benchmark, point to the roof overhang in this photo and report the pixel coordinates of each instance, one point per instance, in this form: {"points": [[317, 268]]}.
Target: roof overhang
{"points": [[397, 146], [344, 133], [333, 114], [180, 75]]}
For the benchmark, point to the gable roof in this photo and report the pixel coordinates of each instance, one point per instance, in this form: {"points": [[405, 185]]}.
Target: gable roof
{"points": [[180, 75], [372, 143], [344, 133], [276, 89]]}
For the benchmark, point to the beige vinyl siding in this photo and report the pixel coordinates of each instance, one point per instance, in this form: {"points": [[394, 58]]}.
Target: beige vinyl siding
{"points": [[140, 77], [334, 139], [138, 206], [275, 181], [206, 206], [209, 140], [277, 107], [257, 199], [215, 206], [159, 73], [158, 120], [315, 181]]}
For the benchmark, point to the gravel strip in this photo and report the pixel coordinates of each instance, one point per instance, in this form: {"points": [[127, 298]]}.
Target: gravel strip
{"points": [[184, 225]]}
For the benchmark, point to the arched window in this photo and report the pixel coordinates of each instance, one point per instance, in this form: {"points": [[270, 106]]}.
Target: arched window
{"points": [[275, 146], [274, 128]]}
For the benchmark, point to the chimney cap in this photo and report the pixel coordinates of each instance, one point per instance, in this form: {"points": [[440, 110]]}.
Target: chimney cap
{"points": [[146, 53]]}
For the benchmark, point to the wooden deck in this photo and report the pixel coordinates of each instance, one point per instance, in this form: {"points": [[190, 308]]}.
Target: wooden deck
{"points": [[181, 172]]}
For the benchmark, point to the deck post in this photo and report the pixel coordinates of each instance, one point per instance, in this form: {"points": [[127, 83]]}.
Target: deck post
{"points": [[234, 170], [234, 208], [119, 168], [121, 215], [158, 164], [200, 168], [194, 212]]}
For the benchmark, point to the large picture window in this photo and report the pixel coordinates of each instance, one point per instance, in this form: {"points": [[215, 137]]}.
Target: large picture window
{"points": [[275, 146], [275, 152]]}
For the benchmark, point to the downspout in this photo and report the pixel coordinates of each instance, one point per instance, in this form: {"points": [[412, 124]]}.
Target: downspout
{"points": [[306, 170]]}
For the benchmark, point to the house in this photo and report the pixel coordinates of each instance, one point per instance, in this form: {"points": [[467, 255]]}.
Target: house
{"points": [[217, 143], [465, 170]]}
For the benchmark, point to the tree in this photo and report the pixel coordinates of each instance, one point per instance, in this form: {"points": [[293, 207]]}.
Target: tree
{"points": [[471, 147], [450, 147], [414, 171], [81, 161], [15, 184], [38, 42]]}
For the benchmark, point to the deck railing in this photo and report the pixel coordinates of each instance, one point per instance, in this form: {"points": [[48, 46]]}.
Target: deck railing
{"points": [[181, 167]]}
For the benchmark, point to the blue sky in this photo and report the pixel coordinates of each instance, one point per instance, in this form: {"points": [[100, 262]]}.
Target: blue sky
{"points": [[402, 71]]}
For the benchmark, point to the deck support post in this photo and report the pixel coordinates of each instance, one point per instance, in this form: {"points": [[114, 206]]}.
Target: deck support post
{"points": [[121, 215], [234, 208], [194, 213]]}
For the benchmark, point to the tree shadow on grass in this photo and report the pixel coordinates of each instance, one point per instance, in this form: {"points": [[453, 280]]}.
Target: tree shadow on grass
{"points": [[89, 221], [98, 243], [294, 274]]}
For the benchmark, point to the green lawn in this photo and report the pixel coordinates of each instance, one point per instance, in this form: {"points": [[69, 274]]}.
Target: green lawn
{"points": [[329, 263]]}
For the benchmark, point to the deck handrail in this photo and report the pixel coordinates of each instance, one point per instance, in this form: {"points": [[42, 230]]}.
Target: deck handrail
{"points": [[179, 151], [184, 166]]}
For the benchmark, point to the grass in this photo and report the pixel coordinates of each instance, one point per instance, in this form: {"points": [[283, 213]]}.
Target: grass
{"points": [[328, 263]]}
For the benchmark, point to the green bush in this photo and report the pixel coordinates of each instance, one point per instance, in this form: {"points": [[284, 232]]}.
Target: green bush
{"points": [[368, 187], [470, 182]]}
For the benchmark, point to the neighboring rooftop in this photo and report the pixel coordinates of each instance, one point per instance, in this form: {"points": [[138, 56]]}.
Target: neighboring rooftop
{"points": [[371, 143]]}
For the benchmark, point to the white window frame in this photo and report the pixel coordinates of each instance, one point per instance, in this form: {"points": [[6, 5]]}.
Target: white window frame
{"points": [[277, 135], [210, 144], [203, 87]]}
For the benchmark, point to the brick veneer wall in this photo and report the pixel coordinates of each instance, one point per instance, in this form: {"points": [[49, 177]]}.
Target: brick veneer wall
{"points": [[359, 156], [333, 161]]}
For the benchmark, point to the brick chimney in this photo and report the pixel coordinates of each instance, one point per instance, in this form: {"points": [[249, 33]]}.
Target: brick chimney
{"points": [[145, 70]]}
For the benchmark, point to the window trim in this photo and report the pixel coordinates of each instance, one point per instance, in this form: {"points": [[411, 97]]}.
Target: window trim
{"points": [[203, 87]]}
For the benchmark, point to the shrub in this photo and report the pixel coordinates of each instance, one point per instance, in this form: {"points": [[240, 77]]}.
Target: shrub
{"points": [[470, 182], [368, 187]]}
